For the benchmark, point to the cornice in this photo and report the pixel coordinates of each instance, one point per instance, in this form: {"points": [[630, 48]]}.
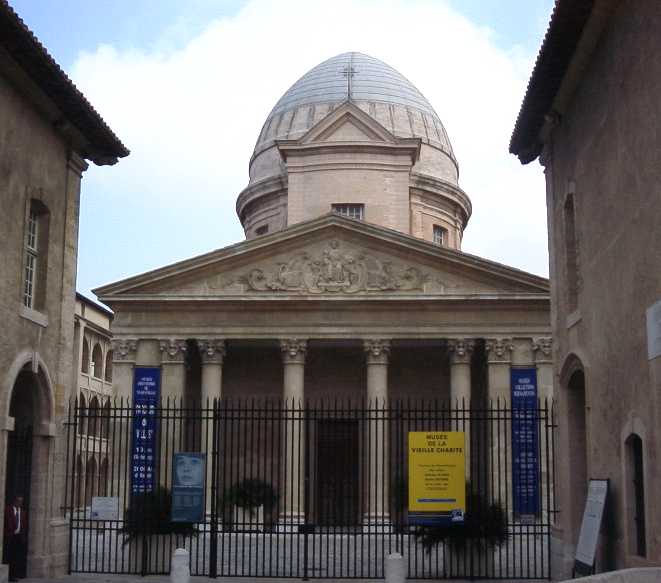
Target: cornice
{"points": [[331, 222]]}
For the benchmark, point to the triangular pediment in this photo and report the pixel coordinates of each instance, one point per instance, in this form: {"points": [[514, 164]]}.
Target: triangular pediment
{"points": [[329, 258], [347, 123]]}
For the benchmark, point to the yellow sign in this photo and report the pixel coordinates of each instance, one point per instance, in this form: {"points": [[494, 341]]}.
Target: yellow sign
{"points": [[437, 478]]}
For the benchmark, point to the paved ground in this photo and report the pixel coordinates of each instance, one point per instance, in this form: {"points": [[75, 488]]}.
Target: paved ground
{"points": [[154, 579]]}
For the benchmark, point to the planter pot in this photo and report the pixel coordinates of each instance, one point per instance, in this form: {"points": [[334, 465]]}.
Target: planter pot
{"points": [[249, 519]]}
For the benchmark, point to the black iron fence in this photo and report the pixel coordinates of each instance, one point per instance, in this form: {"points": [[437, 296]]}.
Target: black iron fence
{"points": [[315, 489]]}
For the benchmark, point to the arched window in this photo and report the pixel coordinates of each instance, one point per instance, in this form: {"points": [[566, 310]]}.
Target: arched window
{"points": [[85, 359], [90, 481], [571, 253], [93, 423], [578, 460], [97, 361], [635, 495], [105, 429], [108, 375], [82, 415], [80, 483], [103, 478]]}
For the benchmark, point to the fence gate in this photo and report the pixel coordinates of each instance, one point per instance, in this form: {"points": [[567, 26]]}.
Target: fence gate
{"points": [[305, 490]]}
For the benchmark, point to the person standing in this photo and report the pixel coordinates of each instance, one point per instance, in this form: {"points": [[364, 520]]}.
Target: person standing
{"points": [[16, 526]]}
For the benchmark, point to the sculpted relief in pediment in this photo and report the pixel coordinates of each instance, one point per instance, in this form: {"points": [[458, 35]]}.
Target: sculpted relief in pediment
{"points": [[333, 267], [335, 270]]}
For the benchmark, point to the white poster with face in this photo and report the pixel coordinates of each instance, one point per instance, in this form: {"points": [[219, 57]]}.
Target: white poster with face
{"points": [[189, 470]]}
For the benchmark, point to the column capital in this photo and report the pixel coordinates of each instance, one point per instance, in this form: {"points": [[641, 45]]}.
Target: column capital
{"points": [[293, 350], [542, 349], [499, 350], [461, 350], [377, 350], [123, 349], [212, 351], [172, 350]]}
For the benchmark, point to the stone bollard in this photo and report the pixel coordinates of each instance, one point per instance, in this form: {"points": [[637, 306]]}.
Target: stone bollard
{"points": [[180, 568], [395, 568]]}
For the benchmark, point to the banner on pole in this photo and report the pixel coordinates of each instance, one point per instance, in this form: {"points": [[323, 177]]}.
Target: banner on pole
{"points": [[525, 443], [146, 394], [437, 477]]}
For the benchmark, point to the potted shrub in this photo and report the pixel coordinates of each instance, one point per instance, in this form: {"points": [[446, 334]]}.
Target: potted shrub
{"points": [[148, 529], [468, 545], [250, 499]]}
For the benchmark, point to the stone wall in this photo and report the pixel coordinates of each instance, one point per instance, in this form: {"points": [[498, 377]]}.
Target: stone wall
{"points": [[605, 155]]}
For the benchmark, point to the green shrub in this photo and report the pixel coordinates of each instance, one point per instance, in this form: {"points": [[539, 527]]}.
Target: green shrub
{"points": [[485, 526], [250, 494], [149, 514]]}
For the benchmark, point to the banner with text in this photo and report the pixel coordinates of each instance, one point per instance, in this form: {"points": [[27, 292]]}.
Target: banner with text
{"points": [[437, 477], [146, 393], [525, 443]]}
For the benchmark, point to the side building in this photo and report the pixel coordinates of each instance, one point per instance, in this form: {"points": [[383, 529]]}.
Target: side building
{"points": [[47, 132], [93, 390], [591, 115]]}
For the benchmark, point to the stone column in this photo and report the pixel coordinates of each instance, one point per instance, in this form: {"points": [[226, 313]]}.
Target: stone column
{"points": [[173, 382], [461, 351], [292, 490], [377, 513], [543, 354], [543, 351], [124, 354], [212, 353], [173, 373], [499, 360]]}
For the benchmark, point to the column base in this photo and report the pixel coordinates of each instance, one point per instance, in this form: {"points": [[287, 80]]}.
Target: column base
{"points": [[289, 522], [374, 523]]}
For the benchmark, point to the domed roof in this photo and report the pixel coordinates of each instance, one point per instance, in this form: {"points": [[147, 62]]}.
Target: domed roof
{"points": [[375, 87]]}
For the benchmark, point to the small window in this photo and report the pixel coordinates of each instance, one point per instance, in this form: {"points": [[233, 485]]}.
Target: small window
{"points": [[36, 237], [85, 358], [262, 230], [97, 362], [440, 236], [353, 211], [108, 375]]}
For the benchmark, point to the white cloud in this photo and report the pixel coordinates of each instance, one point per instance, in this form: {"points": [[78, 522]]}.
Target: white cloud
{"points": [[191, 117]]}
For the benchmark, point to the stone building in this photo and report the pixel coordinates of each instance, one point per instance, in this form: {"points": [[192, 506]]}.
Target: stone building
{"points": [[92, 372], [47, 131], [591, 116], [351, 282]]}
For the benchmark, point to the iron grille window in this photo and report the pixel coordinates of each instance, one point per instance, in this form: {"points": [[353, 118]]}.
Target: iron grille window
{"points": [[440, 235], [353, 211]]}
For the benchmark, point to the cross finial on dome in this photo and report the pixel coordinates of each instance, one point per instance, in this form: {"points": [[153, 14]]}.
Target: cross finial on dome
{"points": [[349, 72]]}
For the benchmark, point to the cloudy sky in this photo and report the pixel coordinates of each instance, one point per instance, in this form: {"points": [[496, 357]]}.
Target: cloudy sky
{"points": [[187, 86]]}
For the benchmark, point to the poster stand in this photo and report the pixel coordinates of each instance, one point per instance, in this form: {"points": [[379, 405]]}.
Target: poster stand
{"points": [[584, 559]]}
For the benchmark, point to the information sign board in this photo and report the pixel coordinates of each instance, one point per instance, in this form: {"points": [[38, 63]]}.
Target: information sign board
{"points": [[589, 535], [525, 443], [105, 508], [437, 477], [146, 393], [188, 487]]}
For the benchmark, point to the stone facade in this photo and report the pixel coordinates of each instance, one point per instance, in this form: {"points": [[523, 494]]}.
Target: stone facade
{"points": [[600, 148], [42, 156]]}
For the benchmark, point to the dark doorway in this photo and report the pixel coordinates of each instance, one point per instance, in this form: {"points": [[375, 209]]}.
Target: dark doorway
{"points": [[337, 500], [19, 444]]}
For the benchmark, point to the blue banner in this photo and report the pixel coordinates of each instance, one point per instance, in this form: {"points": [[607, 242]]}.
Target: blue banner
{"points": [[146, 393], [188, 487], [525, 443]]}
